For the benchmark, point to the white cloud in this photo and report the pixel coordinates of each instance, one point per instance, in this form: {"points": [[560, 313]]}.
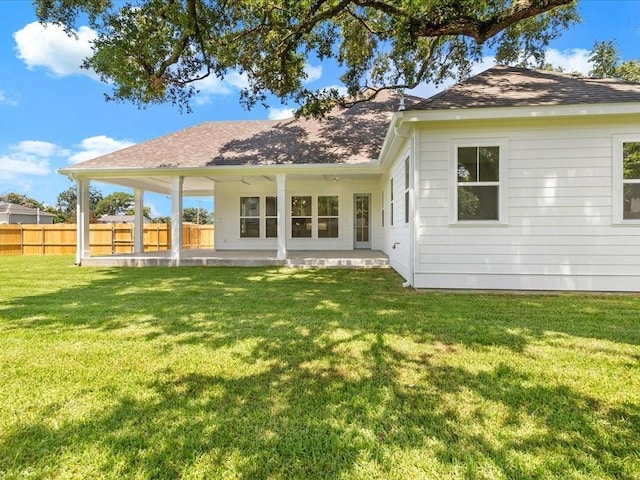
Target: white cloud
{"points": [[280, 113], [237, 80], [93, 147], [28, 158], [233, 81], [6, 100], [209, 86], [12, 165], [39, 148], [312, 73], [571, 60], [49, 47], [31, 158], [342, 90], [212, 86]]}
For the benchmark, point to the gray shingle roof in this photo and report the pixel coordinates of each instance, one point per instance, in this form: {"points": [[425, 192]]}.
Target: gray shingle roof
{"points": [[502, 86], [356, 135], [348, 136], [14, 209]]}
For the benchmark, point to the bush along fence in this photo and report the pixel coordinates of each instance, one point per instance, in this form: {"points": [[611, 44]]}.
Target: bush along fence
{"points": [[104, 239]]}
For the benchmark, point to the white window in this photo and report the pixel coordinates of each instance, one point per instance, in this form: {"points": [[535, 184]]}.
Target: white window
{"points": [[249, 217], [631, 180], [253, 221], [626, 163], [391, 202], [271, 217], [328, 216], [315, 217], [301, 217], [407, 178], [479, 189]]}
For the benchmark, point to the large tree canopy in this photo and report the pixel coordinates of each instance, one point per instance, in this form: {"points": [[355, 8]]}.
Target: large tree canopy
{"points": [[154, 51]]}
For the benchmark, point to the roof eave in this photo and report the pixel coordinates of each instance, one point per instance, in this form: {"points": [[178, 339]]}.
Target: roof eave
{"points": [[400, 125], [219, 170], [539, 111], [398, 131]]}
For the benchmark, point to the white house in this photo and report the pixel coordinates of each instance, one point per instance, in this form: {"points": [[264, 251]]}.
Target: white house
{"points": [[512, 179], [12, 213]]}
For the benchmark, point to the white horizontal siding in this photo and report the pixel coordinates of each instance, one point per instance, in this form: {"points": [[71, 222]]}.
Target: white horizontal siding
{"points": [[559, 232], [397, 243], [546, 191], [572, 237], [566, 201], [530, 281]]}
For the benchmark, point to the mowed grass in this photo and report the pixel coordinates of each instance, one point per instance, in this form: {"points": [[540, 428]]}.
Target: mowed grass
{"points": [[275, 373]]}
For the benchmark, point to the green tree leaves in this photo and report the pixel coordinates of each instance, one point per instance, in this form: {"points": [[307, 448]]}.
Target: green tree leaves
{"points": [[156, 50], [606, 63]]}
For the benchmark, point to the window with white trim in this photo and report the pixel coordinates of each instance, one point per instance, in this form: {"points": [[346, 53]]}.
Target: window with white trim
{"points": [[271, 217], [315, 216], [328, 220], [249, 217], [630, 180], [391, 202], [478, 183], [301, 217], [407, 177]]}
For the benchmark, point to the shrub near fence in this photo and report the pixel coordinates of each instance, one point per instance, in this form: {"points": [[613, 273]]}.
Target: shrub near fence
{"points": [[104, 239]]}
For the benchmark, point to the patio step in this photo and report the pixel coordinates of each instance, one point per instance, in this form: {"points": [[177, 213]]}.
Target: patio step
{"points": [[338, 262]]}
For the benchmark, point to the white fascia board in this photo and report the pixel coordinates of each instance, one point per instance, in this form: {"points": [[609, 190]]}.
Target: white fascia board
{"points": [[546, 111], [223, 170]]}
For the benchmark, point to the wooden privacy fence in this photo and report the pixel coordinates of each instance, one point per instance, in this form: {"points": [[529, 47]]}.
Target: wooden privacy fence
{"points": [[104, 239]]}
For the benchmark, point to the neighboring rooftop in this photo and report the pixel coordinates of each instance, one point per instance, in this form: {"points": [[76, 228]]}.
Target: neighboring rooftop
{"points": [[346, 136], [121, 219], [13, 209], [503, 86]]}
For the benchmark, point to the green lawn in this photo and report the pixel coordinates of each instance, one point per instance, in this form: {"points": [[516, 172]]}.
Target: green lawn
{"points": [[268, 373]]}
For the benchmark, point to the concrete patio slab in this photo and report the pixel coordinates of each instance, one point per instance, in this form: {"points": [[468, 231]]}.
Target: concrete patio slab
{"points": [[246, 258]]}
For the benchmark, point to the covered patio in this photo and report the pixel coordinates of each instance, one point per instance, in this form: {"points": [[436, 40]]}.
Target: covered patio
{"points": [[246, 258], [297, 192]]}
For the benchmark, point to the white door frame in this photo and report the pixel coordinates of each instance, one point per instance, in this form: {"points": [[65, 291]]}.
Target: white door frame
{"points": [[361, 244]]}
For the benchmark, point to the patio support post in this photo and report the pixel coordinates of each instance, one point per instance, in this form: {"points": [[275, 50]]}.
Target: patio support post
{"points": [[281, 182], [138, 227], [176, 218], [82, 220]]}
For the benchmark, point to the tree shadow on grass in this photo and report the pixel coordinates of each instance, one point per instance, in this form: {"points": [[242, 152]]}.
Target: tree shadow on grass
{"points": [[341, 374]]}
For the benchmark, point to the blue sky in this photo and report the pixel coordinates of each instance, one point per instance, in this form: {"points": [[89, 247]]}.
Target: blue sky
{"points": [[53, 114]]}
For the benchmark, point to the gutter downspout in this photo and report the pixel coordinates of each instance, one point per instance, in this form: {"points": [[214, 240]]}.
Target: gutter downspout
{"points": [[414, 192], [396, 132]]}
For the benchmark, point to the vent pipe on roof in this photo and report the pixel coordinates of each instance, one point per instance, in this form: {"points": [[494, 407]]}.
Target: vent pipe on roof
{"points": [[401, 107]]}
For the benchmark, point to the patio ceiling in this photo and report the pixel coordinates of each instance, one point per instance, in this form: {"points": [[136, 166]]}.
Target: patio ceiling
{"points": [[204, 184]]}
